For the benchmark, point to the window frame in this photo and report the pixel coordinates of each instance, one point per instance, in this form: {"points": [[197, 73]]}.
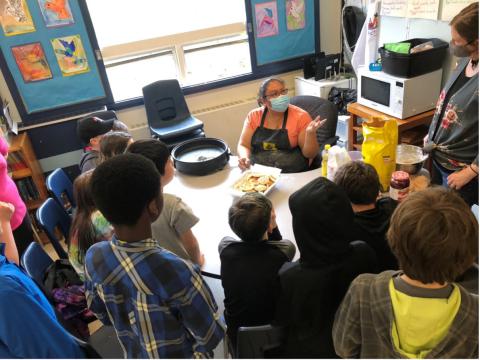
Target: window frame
{"points": [[258, 71]]}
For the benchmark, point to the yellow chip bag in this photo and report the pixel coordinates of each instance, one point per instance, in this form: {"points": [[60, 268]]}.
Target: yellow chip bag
{"points": [[379, 147]]}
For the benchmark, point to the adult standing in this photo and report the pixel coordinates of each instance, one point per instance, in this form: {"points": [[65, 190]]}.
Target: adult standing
{"points": [[278, 134], [453, 134], [20, 221]]}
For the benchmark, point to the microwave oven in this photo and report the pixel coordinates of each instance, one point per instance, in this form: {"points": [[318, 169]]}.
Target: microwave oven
{"points": [[399, 97]]}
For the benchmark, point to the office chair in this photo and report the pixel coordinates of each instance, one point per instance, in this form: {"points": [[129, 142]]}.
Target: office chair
{"points": [[59, 185], [168, 116], [50, 215], [316, 106], [259, 342]]}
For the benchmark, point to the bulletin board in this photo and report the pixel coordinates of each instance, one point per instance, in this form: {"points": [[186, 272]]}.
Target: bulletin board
{"points": [[283, 29], [48, 59]]}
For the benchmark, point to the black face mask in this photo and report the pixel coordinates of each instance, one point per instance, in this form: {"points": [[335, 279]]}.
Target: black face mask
{"points": [[459, 51]]}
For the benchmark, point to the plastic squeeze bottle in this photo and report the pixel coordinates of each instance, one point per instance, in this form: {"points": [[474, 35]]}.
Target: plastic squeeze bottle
{"points": [[325, 160]]}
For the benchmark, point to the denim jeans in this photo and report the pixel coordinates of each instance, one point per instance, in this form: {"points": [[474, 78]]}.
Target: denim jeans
{"points": [[469, 192]]}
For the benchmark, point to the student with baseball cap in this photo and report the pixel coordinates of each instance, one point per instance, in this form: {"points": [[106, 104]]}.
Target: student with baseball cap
{"points": [[91, 130]]}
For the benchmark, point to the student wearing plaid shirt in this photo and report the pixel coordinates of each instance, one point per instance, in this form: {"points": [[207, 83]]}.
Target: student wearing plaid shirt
{"points": [[157, 302]]}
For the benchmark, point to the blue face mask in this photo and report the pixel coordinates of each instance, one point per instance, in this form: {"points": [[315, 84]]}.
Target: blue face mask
{"points": [[280, 103]]}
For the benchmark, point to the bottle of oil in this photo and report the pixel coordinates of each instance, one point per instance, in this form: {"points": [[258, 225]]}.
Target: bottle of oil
{"points": [[325, 160]]}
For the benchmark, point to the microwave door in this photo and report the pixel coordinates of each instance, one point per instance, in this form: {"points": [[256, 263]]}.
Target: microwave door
{"points": [[376, 91]]}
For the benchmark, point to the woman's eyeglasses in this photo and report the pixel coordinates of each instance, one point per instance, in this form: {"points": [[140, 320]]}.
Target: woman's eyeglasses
{"points": [[276, 94]]}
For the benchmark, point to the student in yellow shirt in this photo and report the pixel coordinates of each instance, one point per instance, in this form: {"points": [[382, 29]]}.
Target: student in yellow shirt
{"points": [[417, 312]]}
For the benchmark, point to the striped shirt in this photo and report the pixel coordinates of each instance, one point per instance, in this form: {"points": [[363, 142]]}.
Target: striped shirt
{"points": [[158, 303]]}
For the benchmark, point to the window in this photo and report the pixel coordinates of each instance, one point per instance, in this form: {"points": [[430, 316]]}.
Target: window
{"points": [[204, 44], [146, 40]]}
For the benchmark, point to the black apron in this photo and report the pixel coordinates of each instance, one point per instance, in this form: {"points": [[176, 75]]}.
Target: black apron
{"points": [[271, 147]]}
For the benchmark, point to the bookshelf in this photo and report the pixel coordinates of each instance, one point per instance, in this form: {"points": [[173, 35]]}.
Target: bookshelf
{"points": [[28, 176], [26, 171]]}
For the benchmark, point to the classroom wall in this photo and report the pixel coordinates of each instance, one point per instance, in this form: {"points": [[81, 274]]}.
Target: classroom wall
{"points": [[222, 110], [393, 29]]}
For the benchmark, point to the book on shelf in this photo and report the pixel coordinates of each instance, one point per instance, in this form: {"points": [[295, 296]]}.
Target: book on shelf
{"points": [[15, 161], [27, 189]]}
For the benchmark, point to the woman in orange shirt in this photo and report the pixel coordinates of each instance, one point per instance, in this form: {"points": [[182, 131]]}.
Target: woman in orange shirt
{"points": [[278, 134]]}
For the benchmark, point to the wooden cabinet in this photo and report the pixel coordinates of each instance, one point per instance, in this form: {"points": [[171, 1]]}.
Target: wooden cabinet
{"points": [[410, 130], [26, 171]]}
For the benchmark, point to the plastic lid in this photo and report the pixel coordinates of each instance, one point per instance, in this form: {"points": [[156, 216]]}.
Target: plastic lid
{"points": [[327, 146]]}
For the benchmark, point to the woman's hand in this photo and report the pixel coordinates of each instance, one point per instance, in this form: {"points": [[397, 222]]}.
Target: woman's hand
{"points": [[460, 178], [315, 125], [243, 163]]}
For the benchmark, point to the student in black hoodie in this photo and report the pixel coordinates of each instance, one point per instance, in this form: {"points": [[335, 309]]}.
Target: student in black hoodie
{"points": [[372, 217], [249, 268], [313, 287]]}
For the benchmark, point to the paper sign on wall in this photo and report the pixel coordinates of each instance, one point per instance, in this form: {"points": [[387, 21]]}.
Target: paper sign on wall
{"points": [[423, 9], [394, 8], [450, 8]]}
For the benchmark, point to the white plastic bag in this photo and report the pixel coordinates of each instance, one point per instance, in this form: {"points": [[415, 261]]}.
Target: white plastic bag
{"points": [[337, 156]]}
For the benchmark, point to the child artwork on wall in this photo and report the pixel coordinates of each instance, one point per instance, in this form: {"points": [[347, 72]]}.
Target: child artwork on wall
{"points": [[70, 55], [31, 62], [15, 17], [266, 19], [295, 14], [56, 12]]}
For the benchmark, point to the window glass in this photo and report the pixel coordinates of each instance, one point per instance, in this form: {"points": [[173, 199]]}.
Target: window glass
{"points": [[123, 21], [193, 41], [217, 60], [127, 78]]}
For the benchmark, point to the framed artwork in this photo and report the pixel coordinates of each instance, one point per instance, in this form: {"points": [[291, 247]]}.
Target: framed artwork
{"points": [[56, 12], [295, 14], [266, 19], [15, 17], [31, 62], [70, 55]]}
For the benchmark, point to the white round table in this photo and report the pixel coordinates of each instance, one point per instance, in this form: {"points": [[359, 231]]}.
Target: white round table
{"points": [[210, 198]]}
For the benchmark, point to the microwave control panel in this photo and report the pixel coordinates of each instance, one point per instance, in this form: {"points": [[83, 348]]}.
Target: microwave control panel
{"points": [[398, 96]]}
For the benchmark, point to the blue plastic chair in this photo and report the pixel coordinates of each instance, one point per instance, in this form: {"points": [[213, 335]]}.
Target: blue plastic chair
{"points": [[58, 183], [168, 116], [35, 261], [101, 344], [50, 215]]}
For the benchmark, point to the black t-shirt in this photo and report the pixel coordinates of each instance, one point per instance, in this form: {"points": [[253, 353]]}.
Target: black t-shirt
{"points": [[371, 226], [310, 296], [250, 281]]}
